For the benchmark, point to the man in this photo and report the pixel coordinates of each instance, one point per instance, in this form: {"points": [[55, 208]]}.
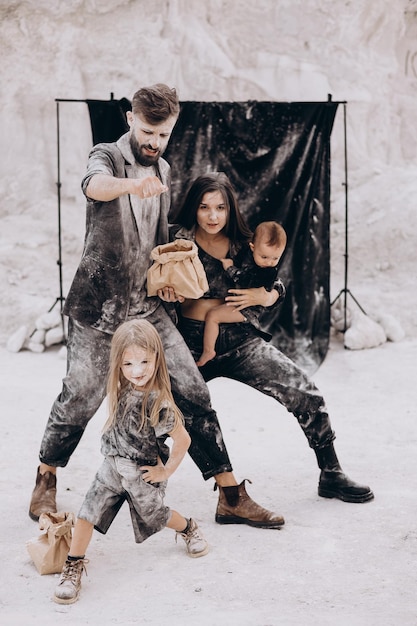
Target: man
{"points": [[127, 188]]}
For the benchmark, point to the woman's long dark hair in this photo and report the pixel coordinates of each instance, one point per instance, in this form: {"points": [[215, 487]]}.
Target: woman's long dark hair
{"points": [[236, 228]]}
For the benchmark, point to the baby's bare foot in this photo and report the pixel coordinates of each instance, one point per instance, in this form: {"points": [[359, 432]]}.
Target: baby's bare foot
{"points": [[207, 355]]}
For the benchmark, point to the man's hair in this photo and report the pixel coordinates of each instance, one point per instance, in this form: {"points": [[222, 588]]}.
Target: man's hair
{"points": [[271, 233], [156, 103]]}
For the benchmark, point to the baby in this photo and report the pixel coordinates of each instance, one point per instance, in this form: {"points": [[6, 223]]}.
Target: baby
{"points": [[259, 268]]}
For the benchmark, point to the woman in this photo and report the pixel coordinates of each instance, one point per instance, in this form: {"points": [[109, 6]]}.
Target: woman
{"points": [[210, 216]]}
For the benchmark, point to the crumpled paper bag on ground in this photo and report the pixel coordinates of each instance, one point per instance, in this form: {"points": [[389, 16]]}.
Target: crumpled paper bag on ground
{"points": [[50, 550]]}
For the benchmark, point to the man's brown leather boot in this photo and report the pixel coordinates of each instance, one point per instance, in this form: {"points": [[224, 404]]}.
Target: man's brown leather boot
{"points": [[236, 507], [43, 496]]}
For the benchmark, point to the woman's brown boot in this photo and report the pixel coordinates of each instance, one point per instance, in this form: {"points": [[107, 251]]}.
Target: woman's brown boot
{"points": [[236, 507]]}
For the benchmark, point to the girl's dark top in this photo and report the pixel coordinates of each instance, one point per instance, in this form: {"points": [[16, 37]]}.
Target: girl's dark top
{"points": [[126, 438]]}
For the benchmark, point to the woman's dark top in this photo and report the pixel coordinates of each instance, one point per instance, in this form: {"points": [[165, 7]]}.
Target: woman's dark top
{"points": [[220, 280]]}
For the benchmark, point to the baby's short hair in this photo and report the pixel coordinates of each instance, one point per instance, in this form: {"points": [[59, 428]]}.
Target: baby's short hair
{"points": [[272, 233]]}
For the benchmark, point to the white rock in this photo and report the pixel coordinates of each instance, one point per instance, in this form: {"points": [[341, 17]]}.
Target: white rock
{"points": [[35, 347], [363, 333], [53, 336], [392, 327], [16, 341], [48, 320], [337, 315], [38, 336]]}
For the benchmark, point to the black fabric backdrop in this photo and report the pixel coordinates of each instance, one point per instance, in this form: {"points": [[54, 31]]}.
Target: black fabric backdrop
{"points": [[277, 156], [108, 119]]}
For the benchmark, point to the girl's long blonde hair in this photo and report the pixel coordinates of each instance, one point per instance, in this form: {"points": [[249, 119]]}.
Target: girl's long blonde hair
{"points": [[141, 334]]}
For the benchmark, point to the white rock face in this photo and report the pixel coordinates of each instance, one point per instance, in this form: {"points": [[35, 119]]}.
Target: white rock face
{"points": [[363, 53]]}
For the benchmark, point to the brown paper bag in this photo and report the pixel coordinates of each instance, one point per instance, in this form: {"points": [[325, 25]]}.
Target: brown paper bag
{"points": [[50, 550], [177, 264]]}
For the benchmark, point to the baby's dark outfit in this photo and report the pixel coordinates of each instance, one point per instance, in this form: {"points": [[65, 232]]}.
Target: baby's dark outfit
{"points": [[247, 275]]}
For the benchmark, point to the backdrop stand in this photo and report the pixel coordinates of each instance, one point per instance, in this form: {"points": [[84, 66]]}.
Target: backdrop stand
{"points": [[345, 292], [60, 299]]}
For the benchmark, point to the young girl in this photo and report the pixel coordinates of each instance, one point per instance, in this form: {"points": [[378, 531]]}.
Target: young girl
{"points": [[258, 267], [141, 412]]}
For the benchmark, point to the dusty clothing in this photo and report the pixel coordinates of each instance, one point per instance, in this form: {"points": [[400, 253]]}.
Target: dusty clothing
{"points": [[126, 446], [84, 388], [119, 479], [246, 275], [243, 354], [128, 439], [220, 280], [109, 288], [120, 234]]}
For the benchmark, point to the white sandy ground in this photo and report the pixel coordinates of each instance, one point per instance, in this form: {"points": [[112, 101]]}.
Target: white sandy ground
{"points": [[332, 564]]}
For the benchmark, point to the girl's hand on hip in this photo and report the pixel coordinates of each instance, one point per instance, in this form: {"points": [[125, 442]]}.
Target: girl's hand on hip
{"points": [[154, 473]]}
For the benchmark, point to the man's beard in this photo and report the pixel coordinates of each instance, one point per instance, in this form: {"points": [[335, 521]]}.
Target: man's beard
{"points": [[143, 159]]}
